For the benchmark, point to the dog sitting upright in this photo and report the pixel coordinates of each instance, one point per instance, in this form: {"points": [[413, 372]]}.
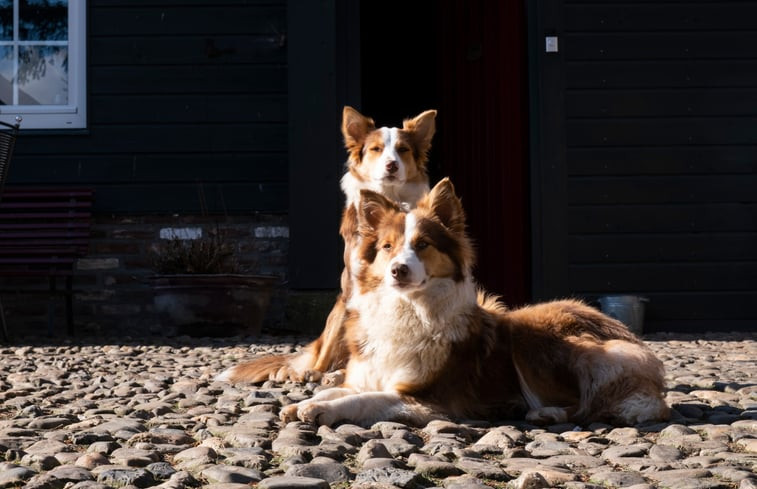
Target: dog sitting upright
{"points": [[425, 344], [389, 161]]}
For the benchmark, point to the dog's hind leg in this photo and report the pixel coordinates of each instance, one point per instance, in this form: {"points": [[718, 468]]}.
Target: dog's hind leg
{"points": [[331, 352], [621, 383]]}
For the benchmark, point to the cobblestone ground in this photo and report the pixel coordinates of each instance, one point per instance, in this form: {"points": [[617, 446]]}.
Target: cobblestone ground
{"points": [[96, 415]]}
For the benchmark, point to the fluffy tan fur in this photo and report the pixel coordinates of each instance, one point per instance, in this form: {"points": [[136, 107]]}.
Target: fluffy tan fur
{"points": [[425, 343]]}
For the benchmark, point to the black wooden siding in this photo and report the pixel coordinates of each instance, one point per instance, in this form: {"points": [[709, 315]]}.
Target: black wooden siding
{"points": [[661, 157], [182, 95]]}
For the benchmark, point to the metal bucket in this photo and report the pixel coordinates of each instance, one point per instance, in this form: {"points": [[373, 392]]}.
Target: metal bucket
{"points": [[628, 309]]}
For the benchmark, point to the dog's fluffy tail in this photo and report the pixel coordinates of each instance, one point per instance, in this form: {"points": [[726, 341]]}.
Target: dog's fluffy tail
{"points": [[269, 367], [490, 302]]}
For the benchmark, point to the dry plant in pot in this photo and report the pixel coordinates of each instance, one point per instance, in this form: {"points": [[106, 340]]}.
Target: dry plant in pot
{"points": [[200, 291]]}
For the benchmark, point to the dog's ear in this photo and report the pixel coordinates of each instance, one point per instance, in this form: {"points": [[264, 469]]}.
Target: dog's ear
{"points": [[445, 205], [372, 209], [355, 126], [421, 128]]}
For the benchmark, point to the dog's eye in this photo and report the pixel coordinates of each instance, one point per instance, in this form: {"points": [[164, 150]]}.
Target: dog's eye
{"points": [[421, 245], [403, 149], [375, 149], [387, 246]]}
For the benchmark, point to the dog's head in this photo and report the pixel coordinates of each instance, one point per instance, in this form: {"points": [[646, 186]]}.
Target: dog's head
{"points": [[410, 251], [387, 156]]}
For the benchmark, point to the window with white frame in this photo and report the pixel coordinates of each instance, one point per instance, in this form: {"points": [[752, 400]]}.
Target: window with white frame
{"points": [[43, 63]]}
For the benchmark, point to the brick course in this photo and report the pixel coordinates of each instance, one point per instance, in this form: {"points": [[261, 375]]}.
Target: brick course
{"points": [[114, 297]]}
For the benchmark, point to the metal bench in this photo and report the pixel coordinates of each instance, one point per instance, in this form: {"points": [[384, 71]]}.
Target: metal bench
{"points": [[43, 231], [8, 135]]}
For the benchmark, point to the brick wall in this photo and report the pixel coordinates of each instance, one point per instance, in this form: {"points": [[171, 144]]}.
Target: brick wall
{"points": [[114, 297]]}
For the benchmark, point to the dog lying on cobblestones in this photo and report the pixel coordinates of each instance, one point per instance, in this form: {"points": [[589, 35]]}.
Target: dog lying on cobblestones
{"points": [[424, 343]]}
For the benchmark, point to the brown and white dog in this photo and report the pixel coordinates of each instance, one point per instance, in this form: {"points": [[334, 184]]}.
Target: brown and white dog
{"points": [[389, 161], [423, 344]]}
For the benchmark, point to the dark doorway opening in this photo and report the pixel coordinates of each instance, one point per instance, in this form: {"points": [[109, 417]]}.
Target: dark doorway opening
{"points": [[468, 60]]}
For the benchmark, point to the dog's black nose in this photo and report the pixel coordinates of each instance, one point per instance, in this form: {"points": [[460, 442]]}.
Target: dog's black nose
{"points": [[392, 167], [400, 271]]}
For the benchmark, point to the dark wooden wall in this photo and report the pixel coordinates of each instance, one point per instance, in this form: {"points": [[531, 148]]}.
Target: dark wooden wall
{"points": [[659, 156], [182, 95], [324, 75]]}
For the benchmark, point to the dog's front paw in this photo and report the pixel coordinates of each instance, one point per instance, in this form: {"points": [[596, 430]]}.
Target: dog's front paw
{"points": [[547, 415], [312, 375], [311, 412], [288, 413], [316, 413], [284, 373], [333, 379]]}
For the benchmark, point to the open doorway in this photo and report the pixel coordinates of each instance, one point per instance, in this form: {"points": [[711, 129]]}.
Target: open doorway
{"points": [[468, 60]]}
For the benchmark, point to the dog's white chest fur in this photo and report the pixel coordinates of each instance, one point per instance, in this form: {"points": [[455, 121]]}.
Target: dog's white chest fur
{"points": [[407, 194], [404, 342]]}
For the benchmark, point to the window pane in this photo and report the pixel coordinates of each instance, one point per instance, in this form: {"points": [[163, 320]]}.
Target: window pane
{"points": [[6, 75], [43, 75], [6, 20], [43, 20]]}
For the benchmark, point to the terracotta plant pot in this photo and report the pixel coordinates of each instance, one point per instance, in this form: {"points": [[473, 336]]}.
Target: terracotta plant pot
{"points": [[212, 305]]}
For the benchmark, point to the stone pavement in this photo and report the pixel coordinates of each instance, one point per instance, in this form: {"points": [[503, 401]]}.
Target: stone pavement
{"points": [[103, 414]]}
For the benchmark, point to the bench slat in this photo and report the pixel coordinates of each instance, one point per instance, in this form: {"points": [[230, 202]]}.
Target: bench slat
{"points": [[67, 201], [38, 269], [60, 232], [38, 261], [11, 191], [22, 226], [67, 216], [56, 238], [45, 232], [45, 249]]}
